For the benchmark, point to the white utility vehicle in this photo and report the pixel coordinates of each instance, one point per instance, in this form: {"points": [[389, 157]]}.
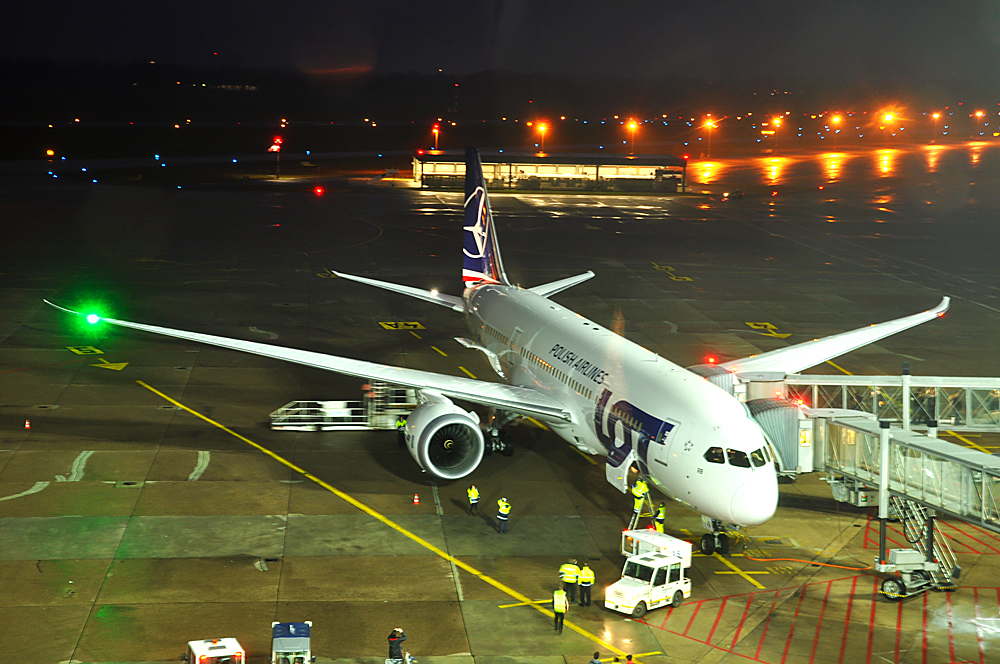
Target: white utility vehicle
{"points": [[654, 573], [215, 651]]}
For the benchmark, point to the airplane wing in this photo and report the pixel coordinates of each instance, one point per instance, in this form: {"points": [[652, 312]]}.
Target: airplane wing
{"points": [[802, 356], [521, 400]]}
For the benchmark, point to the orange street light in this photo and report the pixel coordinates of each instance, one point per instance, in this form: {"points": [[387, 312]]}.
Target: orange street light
{"points": [[836, 119], [632, 126], [542, 128], [936, 116], [710, 125], [888, 117], [436, 130]]}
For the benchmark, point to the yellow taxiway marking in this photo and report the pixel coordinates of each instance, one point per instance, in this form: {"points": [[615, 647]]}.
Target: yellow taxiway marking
{"points": [[85, 350], [467, 372], [967, 441], [538, 424], [114, 366], [737, 570], [585, 456], [390, 523], [641, 654], [533, 601], [415, 334], [401, 325], [685, 531], [441, 352], [767, 329], [839, 368]]}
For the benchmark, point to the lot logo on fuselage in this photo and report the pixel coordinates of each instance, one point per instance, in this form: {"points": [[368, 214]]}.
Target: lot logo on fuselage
{"points": [[638, 428]]}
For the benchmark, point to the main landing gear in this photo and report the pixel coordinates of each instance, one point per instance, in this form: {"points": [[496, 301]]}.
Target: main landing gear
{"points": [[496, 439], [716, 541]]}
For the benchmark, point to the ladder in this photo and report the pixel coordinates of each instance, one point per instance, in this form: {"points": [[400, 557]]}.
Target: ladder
{"points": [[915, 520], [645, 512]]}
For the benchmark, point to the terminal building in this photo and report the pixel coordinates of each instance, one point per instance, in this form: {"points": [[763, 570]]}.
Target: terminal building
{"points": [[527, 171]]}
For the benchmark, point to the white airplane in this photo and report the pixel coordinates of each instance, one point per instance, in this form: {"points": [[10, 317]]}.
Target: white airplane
{"points": [[597, 390]]}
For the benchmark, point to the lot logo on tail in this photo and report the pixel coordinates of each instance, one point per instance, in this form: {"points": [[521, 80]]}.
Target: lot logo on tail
{"points": [[482, 255]]}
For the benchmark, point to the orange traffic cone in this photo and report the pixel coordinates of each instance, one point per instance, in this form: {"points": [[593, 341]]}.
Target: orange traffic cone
{"points": [[27, 424], [416, 499]]}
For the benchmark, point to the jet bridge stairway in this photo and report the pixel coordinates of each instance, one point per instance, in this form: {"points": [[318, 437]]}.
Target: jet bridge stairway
{"points": [[917, 524], [380, 407]]}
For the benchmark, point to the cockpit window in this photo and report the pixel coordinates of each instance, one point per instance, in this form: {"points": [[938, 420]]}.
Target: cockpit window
{"points": [[757, 457], [715, 455], [738, 458]]}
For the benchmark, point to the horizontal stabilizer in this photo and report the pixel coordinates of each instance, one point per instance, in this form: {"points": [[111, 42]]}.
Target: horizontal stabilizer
{"points": [[802, 356], [449, 301], [554, 287]]}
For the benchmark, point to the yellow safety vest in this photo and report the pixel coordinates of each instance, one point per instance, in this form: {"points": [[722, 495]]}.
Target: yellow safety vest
{"points": [[586, 576], [473, 494], [661, 513], [569, 573], [559, 603], [503, 507], [640, 489]]}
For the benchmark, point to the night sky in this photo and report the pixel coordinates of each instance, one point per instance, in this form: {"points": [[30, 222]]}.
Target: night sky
{"points": [[912, 39]]}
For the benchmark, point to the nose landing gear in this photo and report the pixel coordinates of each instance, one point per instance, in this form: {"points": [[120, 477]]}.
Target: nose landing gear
{"points": [[716, 541]]}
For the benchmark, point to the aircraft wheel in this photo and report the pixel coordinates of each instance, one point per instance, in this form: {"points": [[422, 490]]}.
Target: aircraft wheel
{"points": [[893, 589], [723, 544], [678, 598], [508, 447], [707, 544], [639, 611]]}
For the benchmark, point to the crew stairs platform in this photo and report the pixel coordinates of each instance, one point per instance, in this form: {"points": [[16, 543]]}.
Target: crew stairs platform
{"points": [[381, 405]]}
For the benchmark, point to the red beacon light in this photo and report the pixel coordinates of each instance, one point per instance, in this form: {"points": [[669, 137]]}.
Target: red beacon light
{"points": [[711, 360], [318, 191]]}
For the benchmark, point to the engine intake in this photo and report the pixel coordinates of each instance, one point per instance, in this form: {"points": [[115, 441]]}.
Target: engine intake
{"points": [[445, 440]]}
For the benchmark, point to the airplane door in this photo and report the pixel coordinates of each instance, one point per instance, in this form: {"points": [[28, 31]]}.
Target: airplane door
{"points": [[511, 355]]}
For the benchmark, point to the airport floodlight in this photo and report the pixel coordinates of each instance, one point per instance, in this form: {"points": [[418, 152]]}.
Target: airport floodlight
{"points": [[50, 153], [436, 129], [632, 126], [542, 128], [888, 117], [835, 119], [979, 114], [935, 115]]}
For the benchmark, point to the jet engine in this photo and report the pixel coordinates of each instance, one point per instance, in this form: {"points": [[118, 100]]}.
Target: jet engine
{"points": [[444, 439]]}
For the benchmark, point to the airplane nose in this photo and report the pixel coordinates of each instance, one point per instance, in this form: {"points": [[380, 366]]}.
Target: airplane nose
{"points": [[755, 501]]}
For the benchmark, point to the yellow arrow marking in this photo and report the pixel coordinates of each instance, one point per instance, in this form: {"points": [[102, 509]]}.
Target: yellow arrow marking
{"points": [[326, 274], [116, 366], [392, 524], [737, 570], [85, 350], [401, 325], [770, 330]]}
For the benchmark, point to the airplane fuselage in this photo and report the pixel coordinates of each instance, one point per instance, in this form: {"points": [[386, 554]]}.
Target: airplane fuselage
{"points": [[630, 404]]}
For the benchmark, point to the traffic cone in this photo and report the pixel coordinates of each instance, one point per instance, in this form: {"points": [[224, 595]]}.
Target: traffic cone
{"points": [[27, 424], [416, 499]]}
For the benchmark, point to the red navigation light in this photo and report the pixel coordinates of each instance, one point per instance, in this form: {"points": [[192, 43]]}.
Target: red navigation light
{"points": [[318, 191], [685, 157], [277, 140], [420, 151]]}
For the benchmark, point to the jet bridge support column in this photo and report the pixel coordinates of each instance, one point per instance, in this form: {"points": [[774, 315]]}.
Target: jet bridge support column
{"points": [[906, 396], [883, 488]]}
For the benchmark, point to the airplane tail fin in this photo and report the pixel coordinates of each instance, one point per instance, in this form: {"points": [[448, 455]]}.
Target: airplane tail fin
{"points": [[482, 262]]}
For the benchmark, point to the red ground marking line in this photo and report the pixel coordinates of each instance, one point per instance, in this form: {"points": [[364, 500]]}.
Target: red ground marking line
{"points": [[767, 623], [693, 614], [974, 539], [892, 541], [979, 627], [670, 612], [975, 527], [899, 629], [868, 529], [951, 631], [819, 624], [923, 633], [871, 620], [718, 617], [791, 630], [847, 621], [743, 619]]}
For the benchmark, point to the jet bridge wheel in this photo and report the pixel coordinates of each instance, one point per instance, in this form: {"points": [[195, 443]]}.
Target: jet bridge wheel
{"points": [[893, 589]]}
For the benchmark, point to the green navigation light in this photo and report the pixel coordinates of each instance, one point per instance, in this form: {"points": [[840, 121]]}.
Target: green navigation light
{"points": [[93, 319]]}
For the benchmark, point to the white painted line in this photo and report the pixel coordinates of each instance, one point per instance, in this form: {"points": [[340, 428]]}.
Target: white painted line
{"points": [[199, 468], [35, 489], [454, 570], [76, 472]]}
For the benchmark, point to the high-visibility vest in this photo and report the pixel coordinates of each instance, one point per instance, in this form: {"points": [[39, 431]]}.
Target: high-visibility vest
{"points": [[473, 494], [661, 512], [401, 423], [586, 576], [503, 507], [559, 602], [639, 490], [569, 573]]}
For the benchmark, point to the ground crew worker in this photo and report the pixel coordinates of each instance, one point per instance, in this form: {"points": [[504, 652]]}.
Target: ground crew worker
{"points": [[569, 574], [401, 430], [639, 491], [503, 513], [586, 581], [396, 638], [661, 516], [473, 499], [560, 605]]}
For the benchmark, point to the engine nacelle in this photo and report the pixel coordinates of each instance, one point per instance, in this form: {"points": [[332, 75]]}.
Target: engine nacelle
{"points": [[445, 440]]}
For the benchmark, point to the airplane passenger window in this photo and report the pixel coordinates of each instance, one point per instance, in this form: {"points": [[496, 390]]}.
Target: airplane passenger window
{"points": [[738, 458], [715, 455], [757, 457]]}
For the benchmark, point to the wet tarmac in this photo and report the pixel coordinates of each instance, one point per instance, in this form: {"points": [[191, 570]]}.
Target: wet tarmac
{"points": [[130, 525]]}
